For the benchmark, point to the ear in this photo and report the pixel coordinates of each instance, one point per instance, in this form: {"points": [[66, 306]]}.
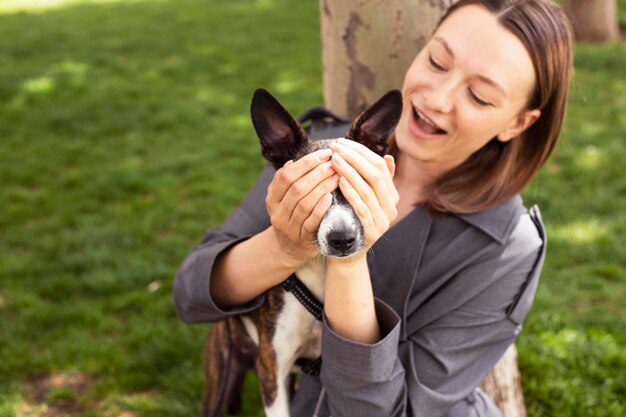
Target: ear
{"points": [[280, 134], [372, 127], [519, 125]]}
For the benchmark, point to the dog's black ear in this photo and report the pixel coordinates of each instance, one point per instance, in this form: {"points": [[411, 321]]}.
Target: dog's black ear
{"points": [[372, 127], [281, 135]]}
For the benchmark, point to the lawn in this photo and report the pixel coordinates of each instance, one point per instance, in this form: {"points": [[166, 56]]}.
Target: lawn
{"points": [[124, 135]]}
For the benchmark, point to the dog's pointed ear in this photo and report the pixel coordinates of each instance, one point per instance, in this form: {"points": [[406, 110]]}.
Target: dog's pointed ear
{"points": [[281, 135], [372, 127]]}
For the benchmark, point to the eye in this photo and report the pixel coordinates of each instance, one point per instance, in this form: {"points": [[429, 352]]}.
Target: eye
{"points": [[478, 100], [434, 63]]}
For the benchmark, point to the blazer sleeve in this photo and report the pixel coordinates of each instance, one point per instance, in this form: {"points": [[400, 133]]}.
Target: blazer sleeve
{"points": [[444, 360], [192, 300], [364, 380]]}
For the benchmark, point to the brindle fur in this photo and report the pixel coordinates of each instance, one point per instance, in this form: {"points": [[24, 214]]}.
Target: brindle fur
{"points": [[264, 319], [229, 353]]}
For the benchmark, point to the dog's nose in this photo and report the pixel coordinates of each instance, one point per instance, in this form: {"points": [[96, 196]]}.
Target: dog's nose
{"points": [[342, 241]]}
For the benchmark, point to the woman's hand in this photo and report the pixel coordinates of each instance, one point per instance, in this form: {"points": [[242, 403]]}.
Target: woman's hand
{"points": [[297, 200], [366, 181]]}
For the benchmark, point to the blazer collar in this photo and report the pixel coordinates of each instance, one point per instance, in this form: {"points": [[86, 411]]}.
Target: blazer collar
{"points": [[497, 222]]}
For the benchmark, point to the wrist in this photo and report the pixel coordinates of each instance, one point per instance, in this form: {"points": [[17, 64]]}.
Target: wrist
{"points": [[288, 257], [350, 262]]}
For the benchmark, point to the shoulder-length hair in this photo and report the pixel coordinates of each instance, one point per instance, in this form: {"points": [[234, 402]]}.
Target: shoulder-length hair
{"points": [[500, 170]]}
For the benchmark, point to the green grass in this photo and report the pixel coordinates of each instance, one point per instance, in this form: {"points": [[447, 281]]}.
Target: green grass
{"points": [[573, 353], [124, 134]]}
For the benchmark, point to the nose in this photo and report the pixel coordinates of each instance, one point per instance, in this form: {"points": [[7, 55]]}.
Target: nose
{"points": [[342, 240], [440, 98]]}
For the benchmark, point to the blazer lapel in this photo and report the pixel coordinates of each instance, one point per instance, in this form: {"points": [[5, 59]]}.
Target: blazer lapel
{"points": [[392, 276]]}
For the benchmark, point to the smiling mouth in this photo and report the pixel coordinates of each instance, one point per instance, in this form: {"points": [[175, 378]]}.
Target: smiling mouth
{"points": [[426, 124]]}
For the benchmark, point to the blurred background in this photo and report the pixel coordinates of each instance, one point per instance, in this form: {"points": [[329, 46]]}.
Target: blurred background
{"points": [[125, 134]]}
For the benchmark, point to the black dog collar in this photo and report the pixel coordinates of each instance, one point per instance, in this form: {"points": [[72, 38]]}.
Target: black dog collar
{"points": [[304, 295]]}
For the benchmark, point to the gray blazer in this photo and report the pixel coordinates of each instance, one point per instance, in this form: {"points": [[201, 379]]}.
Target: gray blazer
{"points": [[452, 292]]}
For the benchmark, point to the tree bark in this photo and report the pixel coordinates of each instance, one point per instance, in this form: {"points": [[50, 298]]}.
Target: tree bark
{"points": [[593, 20], [367, 46], [504, 385]]}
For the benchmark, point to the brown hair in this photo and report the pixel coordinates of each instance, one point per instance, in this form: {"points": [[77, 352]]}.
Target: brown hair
{"points": [[500, 170]]}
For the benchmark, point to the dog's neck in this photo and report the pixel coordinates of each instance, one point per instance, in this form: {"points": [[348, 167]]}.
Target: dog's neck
{"points": [[313, 275]]}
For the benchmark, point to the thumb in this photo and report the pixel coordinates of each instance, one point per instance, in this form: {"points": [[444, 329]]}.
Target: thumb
{"points": [[391, 165]]}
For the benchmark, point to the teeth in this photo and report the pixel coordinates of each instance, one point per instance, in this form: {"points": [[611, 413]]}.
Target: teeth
{"points": [[425, 119]]}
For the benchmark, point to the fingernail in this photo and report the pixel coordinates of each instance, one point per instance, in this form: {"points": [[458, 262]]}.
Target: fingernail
{"points": [[338, 146], [338, 159], [288, 162], [327, 200], [324, 154]]}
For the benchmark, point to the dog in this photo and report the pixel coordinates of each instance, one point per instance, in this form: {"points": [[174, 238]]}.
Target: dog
{"points": [[283, 332]]}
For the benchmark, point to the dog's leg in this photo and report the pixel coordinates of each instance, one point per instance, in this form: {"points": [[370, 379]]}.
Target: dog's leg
{"points": [[274, 388], [266, 369], [245, 353], [216, 359], [280, 407], [294, 329], [272, 371], [229, 353]]}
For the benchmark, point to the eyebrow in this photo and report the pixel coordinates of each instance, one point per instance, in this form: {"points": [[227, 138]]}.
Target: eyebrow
{"points": [[443, 43], [487, 80]]}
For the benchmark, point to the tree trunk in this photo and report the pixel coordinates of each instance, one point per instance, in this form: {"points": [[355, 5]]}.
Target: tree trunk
{"points": [[367, 46], [593, 20], [503, 385]]}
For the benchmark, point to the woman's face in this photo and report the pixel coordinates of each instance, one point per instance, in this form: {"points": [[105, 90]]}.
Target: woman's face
{"points": [[469, 84]]}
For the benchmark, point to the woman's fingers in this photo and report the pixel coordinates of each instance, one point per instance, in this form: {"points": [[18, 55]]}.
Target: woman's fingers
{"points": [[301, 187], [308, 210], [312, 223], [293, 171], [359, 193], [298, 198], [372, 157], [361, 209], [391, 165], [374, 171], [299, 195]]}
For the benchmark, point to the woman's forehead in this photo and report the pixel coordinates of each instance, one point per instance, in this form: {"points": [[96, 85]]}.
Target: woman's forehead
{"points": [[486, 49]]}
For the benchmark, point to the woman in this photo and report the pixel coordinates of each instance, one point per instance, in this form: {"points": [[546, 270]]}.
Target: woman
{"points": [[412, 330]]}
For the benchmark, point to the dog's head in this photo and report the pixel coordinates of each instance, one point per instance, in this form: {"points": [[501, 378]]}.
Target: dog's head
{"points": [[282, 139]]}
